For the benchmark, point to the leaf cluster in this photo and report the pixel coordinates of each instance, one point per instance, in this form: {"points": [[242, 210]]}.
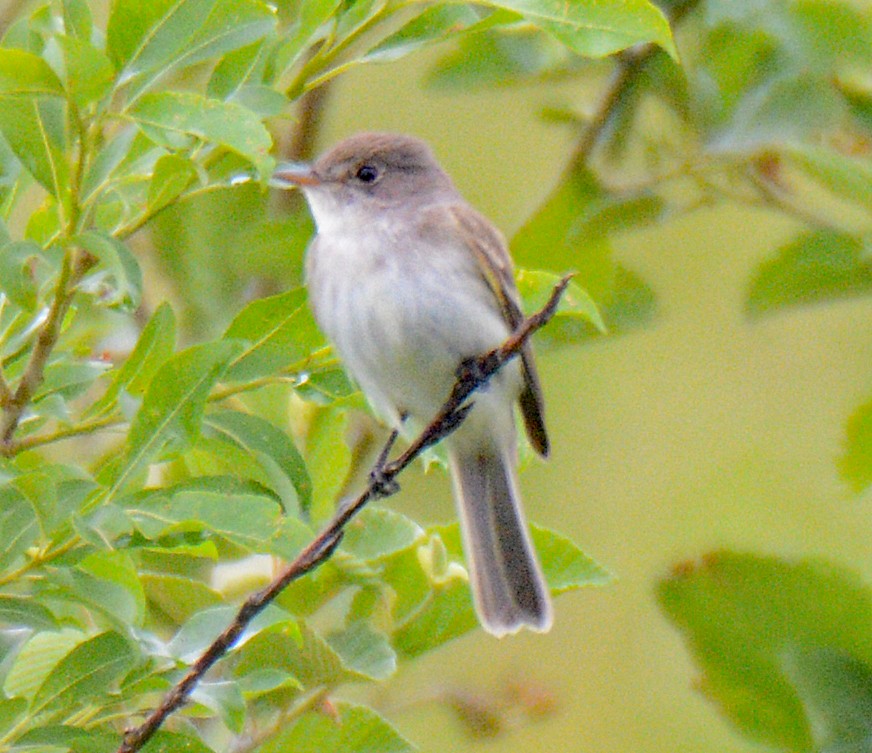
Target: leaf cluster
{"points": [[150, 477]]}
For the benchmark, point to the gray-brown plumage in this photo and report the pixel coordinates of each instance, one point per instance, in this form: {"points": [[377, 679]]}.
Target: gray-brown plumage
{"points": [[408, 281]]}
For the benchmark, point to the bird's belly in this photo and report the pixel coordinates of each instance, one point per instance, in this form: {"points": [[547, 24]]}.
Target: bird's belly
{"points": [[403, 328]]}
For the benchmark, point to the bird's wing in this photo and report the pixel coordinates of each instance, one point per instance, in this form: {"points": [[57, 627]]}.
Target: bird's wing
{"points": [[491, 253]]}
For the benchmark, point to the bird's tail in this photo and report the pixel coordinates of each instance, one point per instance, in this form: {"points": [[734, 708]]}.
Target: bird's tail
{"points": [[507, 582]]}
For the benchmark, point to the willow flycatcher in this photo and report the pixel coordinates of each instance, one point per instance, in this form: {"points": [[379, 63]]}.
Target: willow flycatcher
{"points": [[408, 281]]}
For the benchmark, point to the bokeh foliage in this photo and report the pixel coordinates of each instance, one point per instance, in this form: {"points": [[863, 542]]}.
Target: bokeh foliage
{"points": [[147, 445], [167, 409]]}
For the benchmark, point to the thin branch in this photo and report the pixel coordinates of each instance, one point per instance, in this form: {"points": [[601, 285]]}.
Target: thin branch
{"points": [[303, 138], [780, 198], [58, 435], [75, 265], [471, 376], [629, 65], [310, 117], [10, 13], [6, 395]]}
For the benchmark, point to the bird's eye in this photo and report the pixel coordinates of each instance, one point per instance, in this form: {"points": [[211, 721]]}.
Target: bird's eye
{"points": [[367, 174]]}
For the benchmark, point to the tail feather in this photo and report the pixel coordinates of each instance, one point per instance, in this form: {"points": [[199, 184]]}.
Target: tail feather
{"points": [[507, 582]]}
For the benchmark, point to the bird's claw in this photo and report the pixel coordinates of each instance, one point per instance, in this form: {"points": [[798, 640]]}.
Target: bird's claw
{"points": [[382, 484]]}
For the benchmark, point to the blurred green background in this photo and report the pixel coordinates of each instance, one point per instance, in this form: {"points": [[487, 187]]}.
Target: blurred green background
{"points": [[702, 431]]}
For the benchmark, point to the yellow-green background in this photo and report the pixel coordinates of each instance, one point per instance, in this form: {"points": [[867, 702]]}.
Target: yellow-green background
{"points": [[702, 431]]}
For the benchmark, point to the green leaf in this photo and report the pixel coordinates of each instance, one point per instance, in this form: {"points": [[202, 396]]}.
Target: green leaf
{"points": [[443, 610], [493, 58], [536, 288], [36, 660], [236, 69], [855, 463], [155, 345], [269, 683], [119, 266], [356, 15], [68, 379], [23, 73], [328, 458], [278, 332], [34, 128], [447, 615], [45, 223], [18, 611], [836, 691], [18, 280], [230, 25], [354, 654], [311, 17], [274, 451], [379, 532], [175, 742], [245, 519], [12, 710], [364, 651], [848, 178], [85, 672], [142, 36], [819, 266], [733, 62], [326, 385], [356, 729], [198, 633], [831, 35], [127, 157], [173, 405], [19, 523], [271, 648], [433, 25], [785, 110], [566, 567], [226, 699], [179, 597], [170, 117], [172, 175], [66, 737], [630, 304], [88, 74], [596, 29], [262, 100], [40, 490], [78, 22], [314, 662], [115, 583], [168, 36], [11, 182], [745, 618], [558, 238]]}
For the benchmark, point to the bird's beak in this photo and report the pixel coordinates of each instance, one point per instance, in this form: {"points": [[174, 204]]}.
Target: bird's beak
{"points": [[294, 174]]}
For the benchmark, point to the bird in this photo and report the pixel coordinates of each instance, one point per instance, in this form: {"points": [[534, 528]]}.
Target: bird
{"points": [[408, 281]]}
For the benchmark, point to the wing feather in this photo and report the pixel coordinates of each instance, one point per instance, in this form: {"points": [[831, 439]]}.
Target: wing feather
{"points": [[491, 253]]}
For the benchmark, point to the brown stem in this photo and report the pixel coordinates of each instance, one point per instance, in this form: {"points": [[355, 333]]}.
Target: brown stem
{"points": [[10, 13], [75, 265], [303, 138], [6, 395], [628, 65], [381, 484], [310, 112]]}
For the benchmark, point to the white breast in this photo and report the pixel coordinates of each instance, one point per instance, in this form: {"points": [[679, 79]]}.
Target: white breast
{"points": [[402, 315]]}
